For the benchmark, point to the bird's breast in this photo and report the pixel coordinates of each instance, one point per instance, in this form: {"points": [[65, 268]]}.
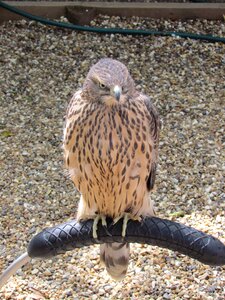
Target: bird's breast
{"points": [[108, 155]]}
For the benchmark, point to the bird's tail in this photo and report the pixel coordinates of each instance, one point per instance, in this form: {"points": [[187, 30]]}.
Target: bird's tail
{"points": [[115, 256]]}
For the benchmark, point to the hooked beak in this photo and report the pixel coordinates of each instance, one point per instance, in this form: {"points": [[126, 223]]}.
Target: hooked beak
{"points": [[117, 92]]}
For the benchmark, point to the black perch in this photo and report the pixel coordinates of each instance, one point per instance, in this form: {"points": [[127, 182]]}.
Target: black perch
{"points": [[152, 231]]}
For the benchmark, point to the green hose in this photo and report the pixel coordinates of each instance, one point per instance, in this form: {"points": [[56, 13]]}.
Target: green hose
{"points": [[209, 38]]}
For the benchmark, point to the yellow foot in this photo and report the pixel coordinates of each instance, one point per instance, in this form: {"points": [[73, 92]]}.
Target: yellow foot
{"points": [[126, 217], [95, 224]]}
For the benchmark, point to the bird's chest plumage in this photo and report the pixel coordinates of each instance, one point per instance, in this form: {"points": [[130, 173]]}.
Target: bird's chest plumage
{"points": [[108, 151]]}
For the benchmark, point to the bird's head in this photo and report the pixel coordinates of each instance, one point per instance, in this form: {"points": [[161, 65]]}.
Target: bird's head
{"points": [[109, 82]]}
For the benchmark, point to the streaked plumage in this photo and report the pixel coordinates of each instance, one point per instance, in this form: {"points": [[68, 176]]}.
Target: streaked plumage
{"points": [[110, 150]]}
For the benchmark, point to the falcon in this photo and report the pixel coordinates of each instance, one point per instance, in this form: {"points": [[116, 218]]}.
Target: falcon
{"points": [[110, 150]]}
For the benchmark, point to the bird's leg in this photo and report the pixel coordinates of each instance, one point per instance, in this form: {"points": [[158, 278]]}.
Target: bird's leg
{"points": [[95, 224], [126, 217]]}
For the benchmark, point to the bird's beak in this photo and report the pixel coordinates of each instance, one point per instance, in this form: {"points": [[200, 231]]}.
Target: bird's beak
{"points": [[117, 92]]}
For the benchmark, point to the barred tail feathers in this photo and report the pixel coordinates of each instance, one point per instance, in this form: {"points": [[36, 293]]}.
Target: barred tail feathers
{"points": [[115, 256]]}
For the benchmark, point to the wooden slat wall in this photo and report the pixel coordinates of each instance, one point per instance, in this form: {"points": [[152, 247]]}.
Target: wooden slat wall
{"points": [[212, 11]]}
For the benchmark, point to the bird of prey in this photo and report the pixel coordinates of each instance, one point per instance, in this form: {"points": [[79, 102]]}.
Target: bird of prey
{"points": [[110, 150]]}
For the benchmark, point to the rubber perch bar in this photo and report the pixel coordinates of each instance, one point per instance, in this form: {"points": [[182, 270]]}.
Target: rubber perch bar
{"points": [[153, 231]]}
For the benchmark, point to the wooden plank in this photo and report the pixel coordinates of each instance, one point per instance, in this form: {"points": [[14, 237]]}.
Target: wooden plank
{"points": [[212, 11], [51, 10]]}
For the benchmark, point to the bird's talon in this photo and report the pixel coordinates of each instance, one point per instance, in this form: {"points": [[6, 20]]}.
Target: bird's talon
{"points": [[104, 223], [107, 231], [115, 220], [126, 217], [139, 219], [95, 224]]}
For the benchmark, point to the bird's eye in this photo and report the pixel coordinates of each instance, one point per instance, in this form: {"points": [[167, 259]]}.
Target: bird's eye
{"points": [[102, 85]]}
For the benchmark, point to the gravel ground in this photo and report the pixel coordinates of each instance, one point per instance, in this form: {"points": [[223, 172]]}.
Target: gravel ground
{"points": [[41, 67]]}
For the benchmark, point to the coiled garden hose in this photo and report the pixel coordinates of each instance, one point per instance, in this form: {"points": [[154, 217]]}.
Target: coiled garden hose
{"points": [[152, 231], [124, 31]]}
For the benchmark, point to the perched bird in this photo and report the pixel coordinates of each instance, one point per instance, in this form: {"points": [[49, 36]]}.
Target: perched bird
{"points": [[110, 150]]}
